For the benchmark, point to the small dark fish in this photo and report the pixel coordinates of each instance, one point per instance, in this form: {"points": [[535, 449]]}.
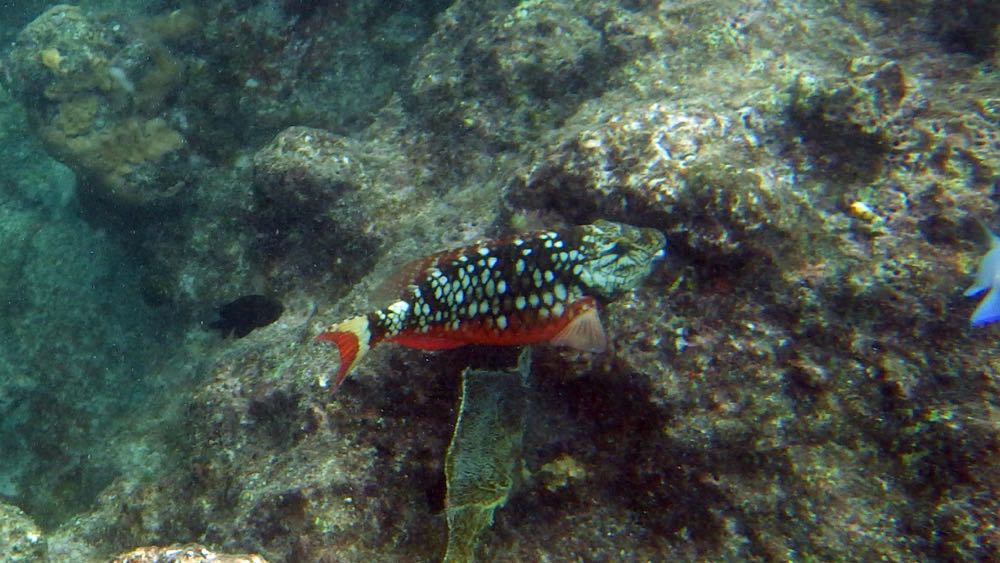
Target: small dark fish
{"points": [[247, 313]]}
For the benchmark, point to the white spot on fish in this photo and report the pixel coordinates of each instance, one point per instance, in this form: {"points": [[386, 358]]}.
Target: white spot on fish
{"points": [[560, 291]]}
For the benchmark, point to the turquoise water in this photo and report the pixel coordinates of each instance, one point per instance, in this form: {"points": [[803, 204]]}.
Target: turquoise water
{"points": [[797, 379]]}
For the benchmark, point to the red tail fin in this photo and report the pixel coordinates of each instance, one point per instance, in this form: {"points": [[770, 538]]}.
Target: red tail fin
{"points": [[352, 339]]}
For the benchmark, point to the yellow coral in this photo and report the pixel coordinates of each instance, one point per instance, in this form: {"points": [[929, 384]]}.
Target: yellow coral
{"points": [[51, 58], [110, 155], [178, 25], [559, 473]]}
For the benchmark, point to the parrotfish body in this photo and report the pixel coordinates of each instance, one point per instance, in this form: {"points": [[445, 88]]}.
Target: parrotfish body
{"points": [[527, 289], [988, 277]]}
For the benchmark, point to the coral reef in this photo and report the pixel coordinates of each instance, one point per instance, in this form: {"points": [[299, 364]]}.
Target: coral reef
{"points": [[183, 554], [499, 75], [331, 65], [21, 541], [93, 93], [78, 338], [798, 380], [311, 176]]}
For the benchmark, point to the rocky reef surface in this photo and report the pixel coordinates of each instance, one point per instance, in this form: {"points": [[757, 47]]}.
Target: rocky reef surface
{"points": [[797, 380]]}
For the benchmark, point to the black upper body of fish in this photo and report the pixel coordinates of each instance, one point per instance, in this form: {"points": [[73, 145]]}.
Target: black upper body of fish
{"points": [[246, 313]]}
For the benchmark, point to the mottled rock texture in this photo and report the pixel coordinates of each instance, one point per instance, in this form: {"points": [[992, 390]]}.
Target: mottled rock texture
{"points": [[21, 541], [797, 380], [183, 554]]}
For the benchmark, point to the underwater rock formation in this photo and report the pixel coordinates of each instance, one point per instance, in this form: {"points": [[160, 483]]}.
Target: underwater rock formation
{"points": [[94, 92], [183, 554], [798, 380], [500, 73], [21, 541], [315, 203], [702, 176]]}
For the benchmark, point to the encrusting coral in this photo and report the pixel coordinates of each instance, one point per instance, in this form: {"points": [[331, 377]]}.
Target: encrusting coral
{"points": [[94, 91]]}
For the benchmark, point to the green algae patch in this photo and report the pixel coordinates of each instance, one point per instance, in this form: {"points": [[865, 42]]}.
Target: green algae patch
{"points": [[485, 453]]}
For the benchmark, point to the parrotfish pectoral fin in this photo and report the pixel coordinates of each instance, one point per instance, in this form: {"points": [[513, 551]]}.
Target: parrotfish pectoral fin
{"points": [[584, 332], [988, 310], [352, 339]]}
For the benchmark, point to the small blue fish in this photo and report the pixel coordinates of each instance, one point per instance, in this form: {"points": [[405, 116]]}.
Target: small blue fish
{"points": [[988, 277]]}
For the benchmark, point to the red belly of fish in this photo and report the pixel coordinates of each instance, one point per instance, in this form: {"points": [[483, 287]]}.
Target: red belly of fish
{"points": [[523, 327]]}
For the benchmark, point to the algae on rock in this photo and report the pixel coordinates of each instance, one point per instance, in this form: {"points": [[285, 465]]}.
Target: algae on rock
{"points": [[485, 453], [95, 93]]}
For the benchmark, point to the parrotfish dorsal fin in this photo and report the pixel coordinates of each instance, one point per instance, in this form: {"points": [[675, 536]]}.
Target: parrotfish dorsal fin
{"points": [[584, 332], [412, 273]]}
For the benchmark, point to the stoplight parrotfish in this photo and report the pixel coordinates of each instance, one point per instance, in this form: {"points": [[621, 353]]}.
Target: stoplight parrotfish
{"points": [[540, 287], [987, 278]]}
